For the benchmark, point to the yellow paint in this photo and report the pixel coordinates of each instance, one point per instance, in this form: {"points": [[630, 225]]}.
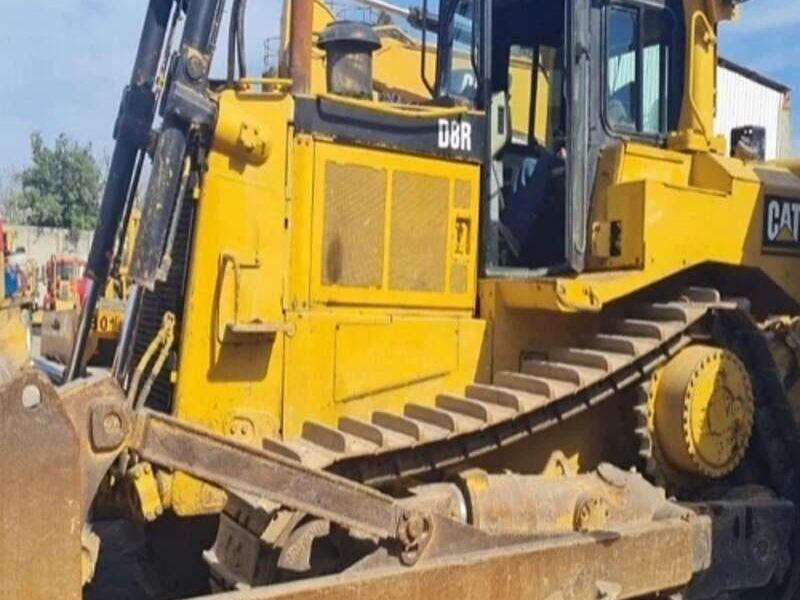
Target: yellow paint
{"points": [[696, 127], [675, 211], [329, 375], [108, 317], [298, 312], [336, 350], [397, 65], [14, 336], [701, 411], [235, 388], [390, 166]]}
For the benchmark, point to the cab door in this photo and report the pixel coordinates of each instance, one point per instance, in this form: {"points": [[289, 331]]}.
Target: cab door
{"points": [[578, 152]]}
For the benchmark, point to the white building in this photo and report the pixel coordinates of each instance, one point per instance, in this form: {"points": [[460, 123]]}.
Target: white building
{"points": [[745, 97]]}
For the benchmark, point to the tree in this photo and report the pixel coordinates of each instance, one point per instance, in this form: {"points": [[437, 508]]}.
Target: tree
{"points": [[61, 188], [9, 188]]}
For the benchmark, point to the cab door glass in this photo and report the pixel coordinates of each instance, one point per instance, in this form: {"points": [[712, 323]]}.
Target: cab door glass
{"points": [[638, 44], [621, 68], [463, 79], [656, 35]]}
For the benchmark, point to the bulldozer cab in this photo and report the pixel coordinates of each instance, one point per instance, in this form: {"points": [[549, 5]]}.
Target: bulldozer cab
{"points": [[532, 67]]}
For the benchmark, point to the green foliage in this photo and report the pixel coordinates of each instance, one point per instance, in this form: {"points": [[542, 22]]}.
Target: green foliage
{"points": [[9, 188], [61, 187]]}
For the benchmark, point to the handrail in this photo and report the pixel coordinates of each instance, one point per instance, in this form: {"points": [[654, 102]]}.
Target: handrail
{"points": [[271, 81], [423, 58], [693, 35], [411, 112]]}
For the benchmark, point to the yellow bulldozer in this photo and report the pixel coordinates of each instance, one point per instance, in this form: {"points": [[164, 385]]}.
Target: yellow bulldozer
{"points": [[531, 335]]}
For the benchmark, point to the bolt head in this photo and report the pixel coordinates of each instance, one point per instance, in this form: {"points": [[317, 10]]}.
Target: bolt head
{"points": [[112, 423], [195, 68], [416, 526], [31, 396]]}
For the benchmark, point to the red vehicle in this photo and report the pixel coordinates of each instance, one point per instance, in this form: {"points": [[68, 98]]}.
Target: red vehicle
{"points": [[66, 285]]}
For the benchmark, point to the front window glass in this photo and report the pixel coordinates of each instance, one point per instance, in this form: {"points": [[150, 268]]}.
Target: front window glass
{"points": [[66, 272]]}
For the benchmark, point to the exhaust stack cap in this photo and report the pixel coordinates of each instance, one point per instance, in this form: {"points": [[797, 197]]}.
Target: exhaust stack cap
{"points": [[348, 48]]}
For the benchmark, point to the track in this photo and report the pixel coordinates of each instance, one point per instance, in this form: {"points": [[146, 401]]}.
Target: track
{"points": [[776, 437], [424, 441]]}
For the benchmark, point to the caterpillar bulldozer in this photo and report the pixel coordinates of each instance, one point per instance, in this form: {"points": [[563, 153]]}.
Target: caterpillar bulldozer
{"points": [[533, 337]]}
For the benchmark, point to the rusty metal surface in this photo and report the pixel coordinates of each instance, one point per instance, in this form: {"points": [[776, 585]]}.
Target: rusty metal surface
{"points": [[411, 535], [527, 504], [95, 406], [301, 40], [58, 335], [631, 562], [175, 445], [40, 496]]}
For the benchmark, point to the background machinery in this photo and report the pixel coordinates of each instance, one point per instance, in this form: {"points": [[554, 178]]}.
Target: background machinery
{"points": [[65, 283], [464, 347], [16, 301], [61, 308]]}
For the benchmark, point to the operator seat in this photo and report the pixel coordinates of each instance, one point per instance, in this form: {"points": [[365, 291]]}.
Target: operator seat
{"points": [[534, 205]]}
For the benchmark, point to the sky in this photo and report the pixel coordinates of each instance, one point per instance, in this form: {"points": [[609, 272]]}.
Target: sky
{"points": [[65, 62]]}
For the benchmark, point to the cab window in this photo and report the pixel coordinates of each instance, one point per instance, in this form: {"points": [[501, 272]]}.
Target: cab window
{"points": [[462, 51], [639, 42]]}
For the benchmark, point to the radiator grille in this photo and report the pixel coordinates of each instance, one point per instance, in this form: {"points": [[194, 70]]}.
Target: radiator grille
{"points": [[419, 232], [354, 225], [167, 296]]}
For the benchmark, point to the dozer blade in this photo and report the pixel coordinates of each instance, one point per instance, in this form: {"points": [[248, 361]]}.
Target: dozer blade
{"points": [[612, 565], [40, 493]]}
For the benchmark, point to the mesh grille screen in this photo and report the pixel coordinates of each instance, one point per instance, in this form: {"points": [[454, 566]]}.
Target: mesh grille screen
{"points": [[463, 193], [419, 232], [167, 296], [355, 215]]}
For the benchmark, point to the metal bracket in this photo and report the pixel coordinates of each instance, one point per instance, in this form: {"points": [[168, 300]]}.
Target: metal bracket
{"points": [[238, 331]]}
